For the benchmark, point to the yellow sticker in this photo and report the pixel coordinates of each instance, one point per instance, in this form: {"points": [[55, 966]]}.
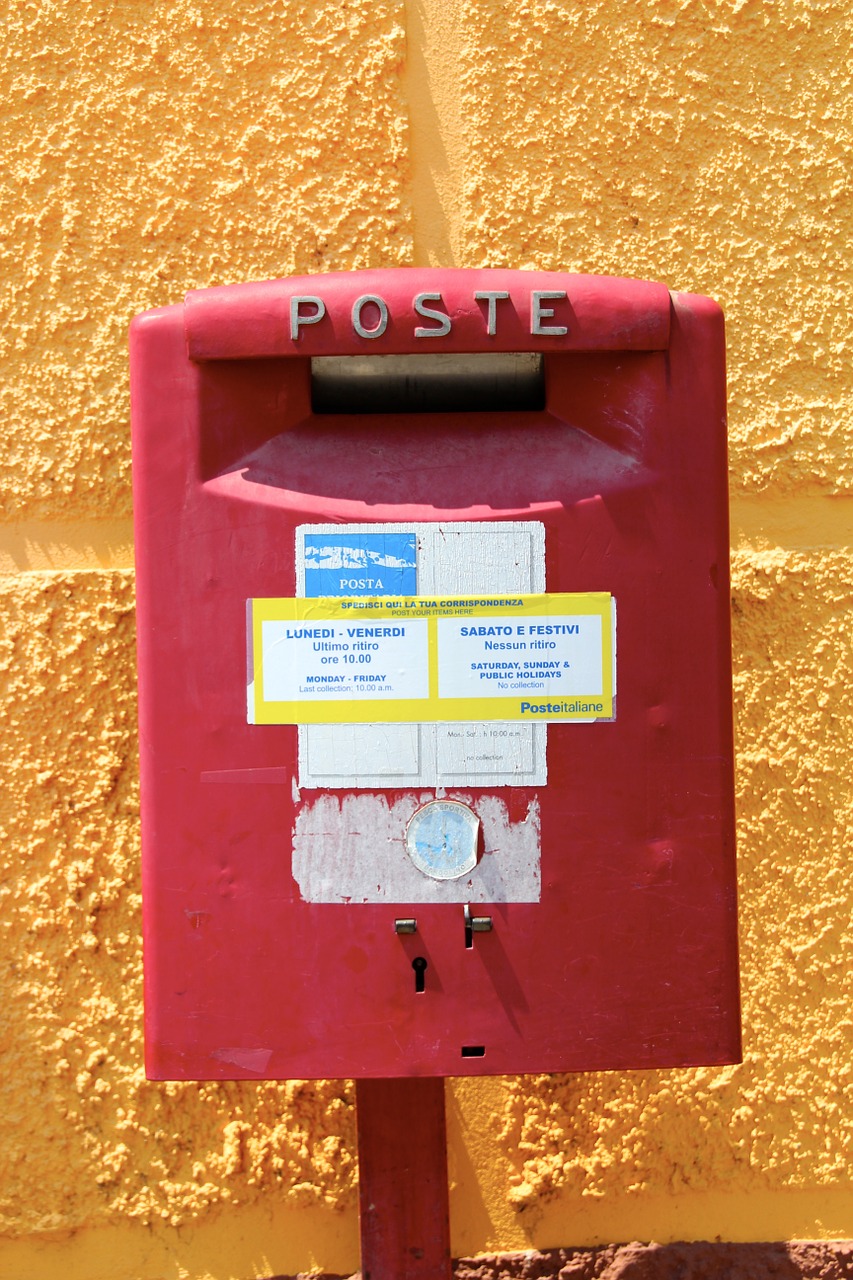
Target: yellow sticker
{"points": [[535, 658]]}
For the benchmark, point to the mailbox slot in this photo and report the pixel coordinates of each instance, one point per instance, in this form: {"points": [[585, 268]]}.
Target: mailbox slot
{"points": [[448, 382]]}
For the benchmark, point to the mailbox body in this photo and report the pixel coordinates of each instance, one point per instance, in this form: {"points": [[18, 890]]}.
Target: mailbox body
{"points": [[624, 953]]}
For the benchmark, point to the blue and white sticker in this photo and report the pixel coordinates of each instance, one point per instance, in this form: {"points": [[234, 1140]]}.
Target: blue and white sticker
{"points": [[360, 564], [441, 839]]}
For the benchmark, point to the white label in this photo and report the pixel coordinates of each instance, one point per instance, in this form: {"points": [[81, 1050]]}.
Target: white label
{"points": [[547, 656], [334, 661]]}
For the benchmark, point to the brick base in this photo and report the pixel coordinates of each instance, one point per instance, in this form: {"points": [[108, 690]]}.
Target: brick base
{"points": [[795, 1260], [696, 1261]]}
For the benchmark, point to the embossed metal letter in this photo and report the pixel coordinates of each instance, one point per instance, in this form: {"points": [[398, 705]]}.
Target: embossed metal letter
{"points": [[491, 296], [296, 320], [538, 313], [356, 316], [430, 313]]}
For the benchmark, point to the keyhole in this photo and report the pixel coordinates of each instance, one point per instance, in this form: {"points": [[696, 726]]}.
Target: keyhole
{"points": [[419, 965]]}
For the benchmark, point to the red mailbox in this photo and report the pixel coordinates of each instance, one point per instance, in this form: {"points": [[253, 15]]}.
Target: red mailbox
{"points": [[471, 808]]}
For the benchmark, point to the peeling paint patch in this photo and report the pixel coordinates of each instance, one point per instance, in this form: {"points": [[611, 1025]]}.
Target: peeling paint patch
{"points": [[353, 849]]}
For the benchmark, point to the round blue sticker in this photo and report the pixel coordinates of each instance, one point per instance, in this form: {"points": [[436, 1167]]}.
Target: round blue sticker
{"points": [[441, 839]]}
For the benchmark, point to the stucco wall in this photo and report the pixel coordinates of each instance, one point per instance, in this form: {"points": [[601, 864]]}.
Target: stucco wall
{"points": [[151, 149]]}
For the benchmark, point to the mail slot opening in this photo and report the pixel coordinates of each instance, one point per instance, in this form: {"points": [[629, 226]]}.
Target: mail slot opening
{"points": [[473, 1051], [435, 383]]}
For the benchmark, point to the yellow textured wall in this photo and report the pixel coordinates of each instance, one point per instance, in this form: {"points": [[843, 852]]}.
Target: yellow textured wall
{"points": [[154, 148]]}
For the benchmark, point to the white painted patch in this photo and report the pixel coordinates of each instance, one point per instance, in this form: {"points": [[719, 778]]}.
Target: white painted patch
{"points": [[353, 849], [453, 559]]}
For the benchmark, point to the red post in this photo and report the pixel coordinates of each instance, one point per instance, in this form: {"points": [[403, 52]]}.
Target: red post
{"points": [[402, 1162]]}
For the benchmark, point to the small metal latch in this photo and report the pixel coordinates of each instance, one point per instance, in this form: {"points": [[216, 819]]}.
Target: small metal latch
{"points": [[406, 925], [475, 924]]}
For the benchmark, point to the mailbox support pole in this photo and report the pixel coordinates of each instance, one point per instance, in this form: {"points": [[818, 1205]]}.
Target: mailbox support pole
{"points": [[403, 1192]]}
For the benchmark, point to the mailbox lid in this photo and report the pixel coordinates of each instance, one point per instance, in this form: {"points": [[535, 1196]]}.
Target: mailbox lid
{"points": [[405, 308]]}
